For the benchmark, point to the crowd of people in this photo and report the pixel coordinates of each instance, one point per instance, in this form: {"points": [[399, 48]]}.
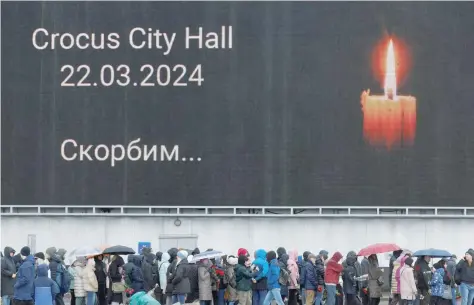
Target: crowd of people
{"points": [[283, 277]]}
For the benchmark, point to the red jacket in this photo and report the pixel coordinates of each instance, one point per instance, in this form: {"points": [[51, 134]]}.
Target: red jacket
{"points": [[333, 269]]}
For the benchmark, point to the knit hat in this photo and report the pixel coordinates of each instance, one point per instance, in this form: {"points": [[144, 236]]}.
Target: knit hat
{"points": [[470, 252], [25, 251], [409, 262], [183, 254], [40, 255], [242, 251], [232, 260]]}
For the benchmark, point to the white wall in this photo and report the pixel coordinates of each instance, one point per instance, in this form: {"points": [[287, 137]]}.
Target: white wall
{"points": [[229, 234]]}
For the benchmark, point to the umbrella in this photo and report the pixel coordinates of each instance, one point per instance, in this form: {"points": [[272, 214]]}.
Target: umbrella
{"points": [[378, 248], [121, 250], [432, 253], [85, 251], [207, 255]]}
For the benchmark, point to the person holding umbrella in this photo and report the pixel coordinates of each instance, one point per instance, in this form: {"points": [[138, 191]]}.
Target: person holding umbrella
{"points": [[423, 276]]}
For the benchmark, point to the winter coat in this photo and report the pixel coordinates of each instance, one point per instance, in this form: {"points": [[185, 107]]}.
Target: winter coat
{"points": [[451, 268], [422, 273], [54, 262], [243, 278], [293, 269], [302, 270], [162, 268], [205, 289], [364, 270], [147, 269], [349, 273], [24, 286], [261, 267], [375, 287], [180, 279], [45, 289], [395, 259], [352, 257], [310, 282], [319, 271], [283, 264], [273, 275], [100, 271], [408, 288], [193, 275], [89, 278], [436, 283], [229, 279], [465, 273], [79, 273], [136, 273], [8, 269], [333, 269], [396, 274]]}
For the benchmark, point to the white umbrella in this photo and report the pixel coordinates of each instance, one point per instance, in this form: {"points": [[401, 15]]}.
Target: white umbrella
{"points": [[207, 255], [85, 251]]}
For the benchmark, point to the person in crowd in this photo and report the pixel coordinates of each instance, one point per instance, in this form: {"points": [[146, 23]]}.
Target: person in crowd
{"points": [[101, 275], [115, 277], [72, 275], [205, 286], [294, 285], [147, 268], [273, 276], [331, 277], [193, 275], [229, 279], [136, 273], [302, 269], [173, 252], [17, 260], [451, 270], [45, 289], [77, 270], [319, 272], [422, 275], [408, 289], [91, 285], [8, 275], [398, 266], [375, 280], [437, 283], [24, 285], [221, 285], [284, 283], [310, 279], [393, 259], [364, 284], [465, 278], [179, 278], [162, 269], [350, 273], [259, 285], [243, 278], [55, 268]]}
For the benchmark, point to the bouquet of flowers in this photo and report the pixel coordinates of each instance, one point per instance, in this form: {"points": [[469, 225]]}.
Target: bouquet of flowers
{"points": [[129, 292]]}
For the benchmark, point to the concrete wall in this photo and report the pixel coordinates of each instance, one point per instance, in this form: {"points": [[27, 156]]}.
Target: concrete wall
{"points": [[229, 234]]}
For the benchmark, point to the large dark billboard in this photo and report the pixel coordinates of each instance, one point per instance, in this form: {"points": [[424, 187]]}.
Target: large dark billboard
{"points": [[237, 103]]}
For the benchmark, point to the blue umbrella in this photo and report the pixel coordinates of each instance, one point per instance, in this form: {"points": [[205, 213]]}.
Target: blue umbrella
{"points": [[432, 253]]}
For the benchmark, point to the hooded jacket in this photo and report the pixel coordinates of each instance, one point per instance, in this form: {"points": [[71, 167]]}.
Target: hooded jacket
{"points": [[45, 289], [273, 275], [89, 278], [173, 252], [398, 266], [179, 278], [79, 267], [280, 251], [24, 286], [350, 272], [422, 269], [8, 269], [436, 283], [205, 282], [309, 279], [54, 262], [333, 269], [162, 268], [136, 273], [357, 265], [293, 269], [408, 290], [261, 267], [302, 261], [319, 270]]}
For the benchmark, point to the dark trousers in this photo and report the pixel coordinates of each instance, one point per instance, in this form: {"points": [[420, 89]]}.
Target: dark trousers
{"points": [[59, 299], [102, 294], [364, 297], [352, 299], [19, 302], [395, 299], [73, 297], [374, 301], [293, 297], [215, 297]]}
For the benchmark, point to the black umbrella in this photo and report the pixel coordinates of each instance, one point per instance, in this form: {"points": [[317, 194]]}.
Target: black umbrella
{"points": [[121, 250]]}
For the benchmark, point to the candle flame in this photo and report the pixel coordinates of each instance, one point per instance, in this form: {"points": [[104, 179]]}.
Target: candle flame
{"points": [[390, 86]]}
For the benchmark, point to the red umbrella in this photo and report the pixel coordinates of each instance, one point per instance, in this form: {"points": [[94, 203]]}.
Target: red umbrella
{"points": [[378, 248]]}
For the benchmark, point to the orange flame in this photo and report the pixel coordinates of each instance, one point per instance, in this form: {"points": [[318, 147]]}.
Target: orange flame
{"points": [[390, 86]]}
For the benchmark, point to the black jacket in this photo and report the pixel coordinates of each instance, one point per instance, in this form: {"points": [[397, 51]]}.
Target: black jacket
{"points": [[179, 278], [8, 269], [319, 271], [422, 270], [465, 273], [350, 285], [169, 274]]}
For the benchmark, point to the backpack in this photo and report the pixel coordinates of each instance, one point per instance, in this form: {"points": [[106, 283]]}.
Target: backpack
{"points": [[63, 278], [284, 278]]}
